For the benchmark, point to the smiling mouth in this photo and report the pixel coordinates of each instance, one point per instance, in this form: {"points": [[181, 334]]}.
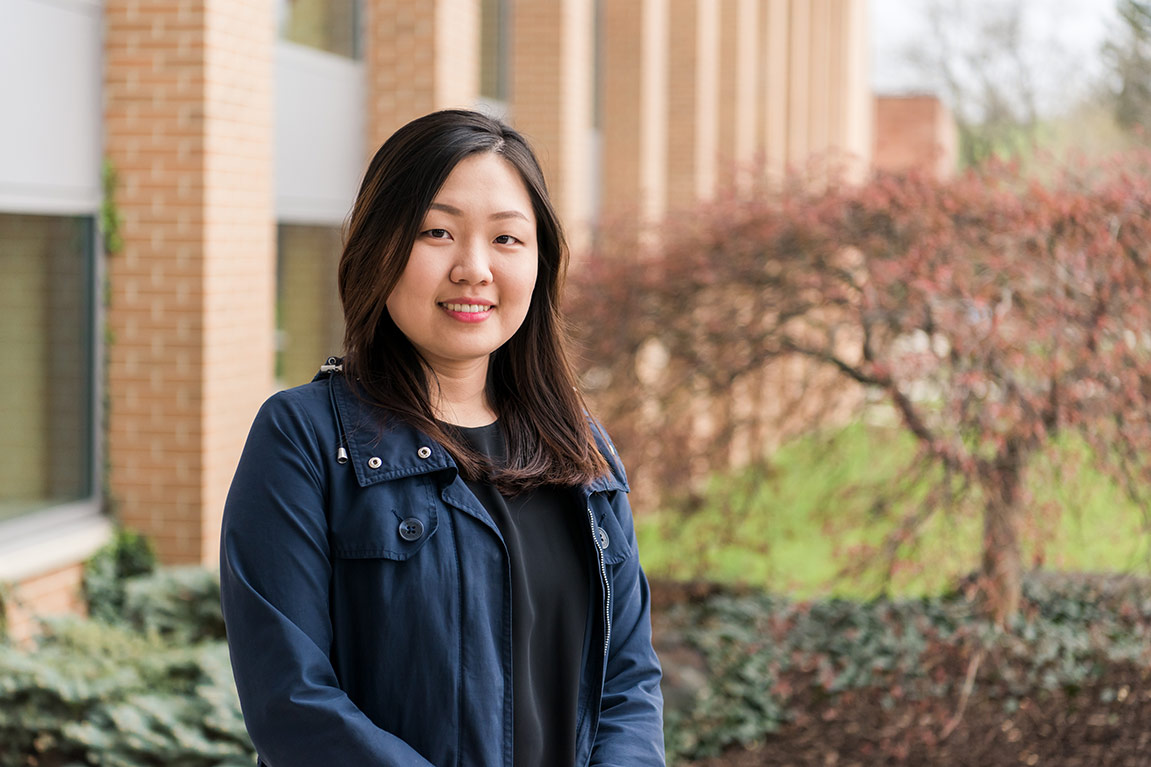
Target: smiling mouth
{"points": [[468, 308]]}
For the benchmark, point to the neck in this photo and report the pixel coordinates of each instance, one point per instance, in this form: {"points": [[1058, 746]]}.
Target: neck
{"points": [[459, 394]]}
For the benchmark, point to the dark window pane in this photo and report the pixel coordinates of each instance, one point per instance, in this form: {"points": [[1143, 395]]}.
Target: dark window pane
{"points": [[46, 339], [309, 318], [330, 25], [493, 50]]}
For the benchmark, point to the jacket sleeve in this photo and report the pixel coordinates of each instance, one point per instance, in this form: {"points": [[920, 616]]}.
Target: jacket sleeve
{"points": [[274, 578], [630, 730]]}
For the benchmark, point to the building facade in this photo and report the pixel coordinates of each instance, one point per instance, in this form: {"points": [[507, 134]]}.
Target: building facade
{"points": [[174, 176]]}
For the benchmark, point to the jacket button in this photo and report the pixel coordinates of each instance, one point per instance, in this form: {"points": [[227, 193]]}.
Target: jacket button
{"points": [[604, 541], [424, 452], [411, 529], [374, 462]]}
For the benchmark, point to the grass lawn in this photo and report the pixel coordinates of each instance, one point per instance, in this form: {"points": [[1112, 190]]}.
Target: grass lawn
{"points": [[808, 524]]}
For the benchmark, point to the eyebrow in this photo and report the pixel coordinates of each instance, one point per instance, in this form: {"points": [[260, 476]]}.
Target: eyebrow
{"points": [[500, 216]]}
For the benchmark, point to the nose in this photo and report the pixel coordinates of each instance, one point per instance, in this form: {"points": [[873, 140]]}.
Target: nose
{"points": [[472, 265]]}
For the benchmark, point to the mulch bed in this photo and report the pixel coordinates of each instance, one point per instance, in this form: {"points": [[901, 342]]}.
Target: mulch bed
{"points": [[1104, 724]]}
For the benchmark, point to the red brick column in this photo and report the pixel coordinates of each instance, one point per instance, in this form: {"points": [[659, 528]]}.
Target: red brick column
{"points": [[420, 57], [552, 67], [189, 128], [635, 99], [693, 101]]}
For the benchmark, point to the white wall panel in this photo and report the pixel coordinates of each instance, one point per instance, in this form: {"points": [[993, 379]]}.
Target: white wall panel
{"points": [[320, 134], [50, 109]]}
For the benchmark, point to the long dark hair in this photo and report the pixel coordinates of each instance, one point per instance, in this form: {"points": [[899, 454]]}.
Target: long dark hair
{"points": [[530, 381]]}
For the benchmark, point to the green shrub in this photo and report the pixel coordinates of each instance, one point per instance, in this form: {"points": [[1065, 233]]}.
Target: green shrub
{"points": [[127, 555], [180, 604], [101, 694], [767, 656], [146, 682]]}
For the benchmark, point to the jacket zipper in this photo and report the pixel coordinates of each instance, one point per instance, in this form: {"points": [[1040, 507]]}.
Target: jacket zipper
{"points": [[603, 578]]}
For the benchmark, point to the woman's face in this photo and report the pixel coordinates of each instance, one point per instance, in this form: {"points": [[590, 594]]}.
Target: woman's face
{"points": [[468, 283]]}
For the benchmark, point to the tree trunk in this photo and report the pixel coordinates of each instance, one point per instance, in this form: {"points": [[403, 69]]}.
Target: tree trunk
{"points": [[1002, 569], [1002, 560]]}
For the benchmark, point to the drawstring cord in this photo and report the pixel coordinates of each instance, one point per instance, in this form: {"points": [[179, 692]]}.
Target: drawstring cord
{"points": [[332, 367]]}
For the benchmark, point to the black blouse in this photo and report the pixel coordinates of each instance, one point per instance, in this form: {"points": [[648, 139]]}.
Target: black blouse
{"points": [[547, 538]]}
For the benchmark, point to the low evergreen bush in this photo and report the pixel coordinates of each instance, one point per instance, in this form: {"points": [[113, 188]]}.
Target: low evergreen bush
{"points": [[144, 682], [96, 693], [150, 684], [767, 657]]}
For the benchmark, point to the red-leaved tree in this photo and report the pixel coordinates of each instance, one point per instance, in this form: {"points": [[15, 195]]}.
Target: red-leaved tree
{"points": [[992, 312]]}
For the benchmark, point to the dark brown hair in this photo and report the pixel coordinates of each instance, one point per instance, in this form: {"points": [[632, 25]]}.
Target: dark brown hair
{"points": [[530, 381]]}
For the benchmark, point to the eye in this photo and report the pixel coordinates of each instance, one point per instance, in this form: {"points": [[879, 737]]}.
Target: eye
{"points": [[506, 239], [436, 234]]}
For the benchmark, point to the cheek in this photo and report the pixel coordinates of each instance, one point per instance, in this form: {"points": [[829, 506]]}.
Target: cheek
{"points": [[526, 281]]}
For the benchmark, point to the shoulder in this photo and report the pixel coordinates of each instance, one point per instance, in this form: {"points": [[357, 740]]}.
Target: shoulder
{"points": [[310, 399], [608, 450], [300, 413]]}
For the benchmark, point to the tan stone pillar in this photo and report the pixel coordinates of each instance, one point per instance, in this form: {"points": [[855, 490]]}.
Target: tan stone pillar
{"points": [[188, 115], [553, 52], [738, 75], [799, 83], [419, 57], [853, 115], [776, 52], [820, 88]]}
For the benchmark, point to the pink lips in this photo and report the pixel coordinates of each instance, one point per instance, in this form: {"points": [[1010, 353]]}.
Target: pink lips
{"points": [[468, 310]]}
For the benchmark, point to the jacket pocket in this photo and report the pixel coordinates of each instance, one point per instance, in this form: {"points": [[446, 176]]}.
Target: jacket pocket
{"points": [[390, 520]]}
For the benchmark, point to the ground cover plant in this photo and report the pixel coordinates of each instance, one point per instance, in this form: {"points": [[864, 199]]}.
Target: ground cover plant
{"points": [[763, 680], [145, 682], [751, 678]]}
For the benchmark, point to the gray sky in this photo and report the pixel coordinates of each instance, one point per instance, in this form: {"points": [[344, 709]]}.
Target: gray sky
{"points": [[1063, 40]]}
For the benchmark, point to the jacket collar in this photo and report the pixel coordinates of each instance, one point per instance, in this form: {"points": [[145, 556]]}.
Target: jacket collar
{"points": [[378, 452], [381, 453]]}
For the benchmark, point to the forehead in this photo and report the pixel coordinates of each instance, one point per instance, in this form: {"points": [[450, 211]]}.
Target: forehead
{"points": [[485, 177]]}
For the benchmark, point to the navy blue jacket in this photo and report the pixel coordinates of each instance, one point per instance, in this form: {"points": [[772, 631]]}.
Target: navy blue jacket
{"points": [[368, 602]]}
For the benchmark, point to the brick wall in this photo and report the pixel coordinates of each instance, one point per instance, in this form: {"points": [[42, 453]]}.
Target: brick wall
{"points": [[53, 593], [552, 66], [914, 133], [419, 57], [188, 126]]}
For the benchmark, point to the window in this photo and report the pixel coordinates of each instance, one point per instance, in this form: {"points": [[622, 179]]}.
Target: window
{"points": [[329, 25], [494, 50], [309, 317], [47, 342]]}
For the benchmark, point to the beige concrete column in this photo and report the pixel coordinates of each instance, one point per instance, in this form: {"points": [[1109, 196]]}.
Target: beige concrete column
{"points": [[553, 50], [635, 135], [419, 57], [707, 101], [747, 81], [776, 55], [820, 87], [798, 83], [188, 115], [854, 128]]}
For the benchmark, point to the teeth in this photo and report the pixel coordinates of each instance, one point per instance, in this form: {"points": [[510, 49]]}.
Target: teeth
{"points": [[466, 307]]}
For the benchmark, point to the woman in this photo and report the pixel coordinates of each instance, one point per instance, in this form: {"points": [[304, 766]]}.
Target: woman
{"points": [[427, 554]]}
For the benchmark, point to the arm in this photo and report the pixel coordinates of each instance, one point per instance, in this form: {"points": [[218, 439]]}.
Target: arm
{"points": [[630, 730], [274, 579]]}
